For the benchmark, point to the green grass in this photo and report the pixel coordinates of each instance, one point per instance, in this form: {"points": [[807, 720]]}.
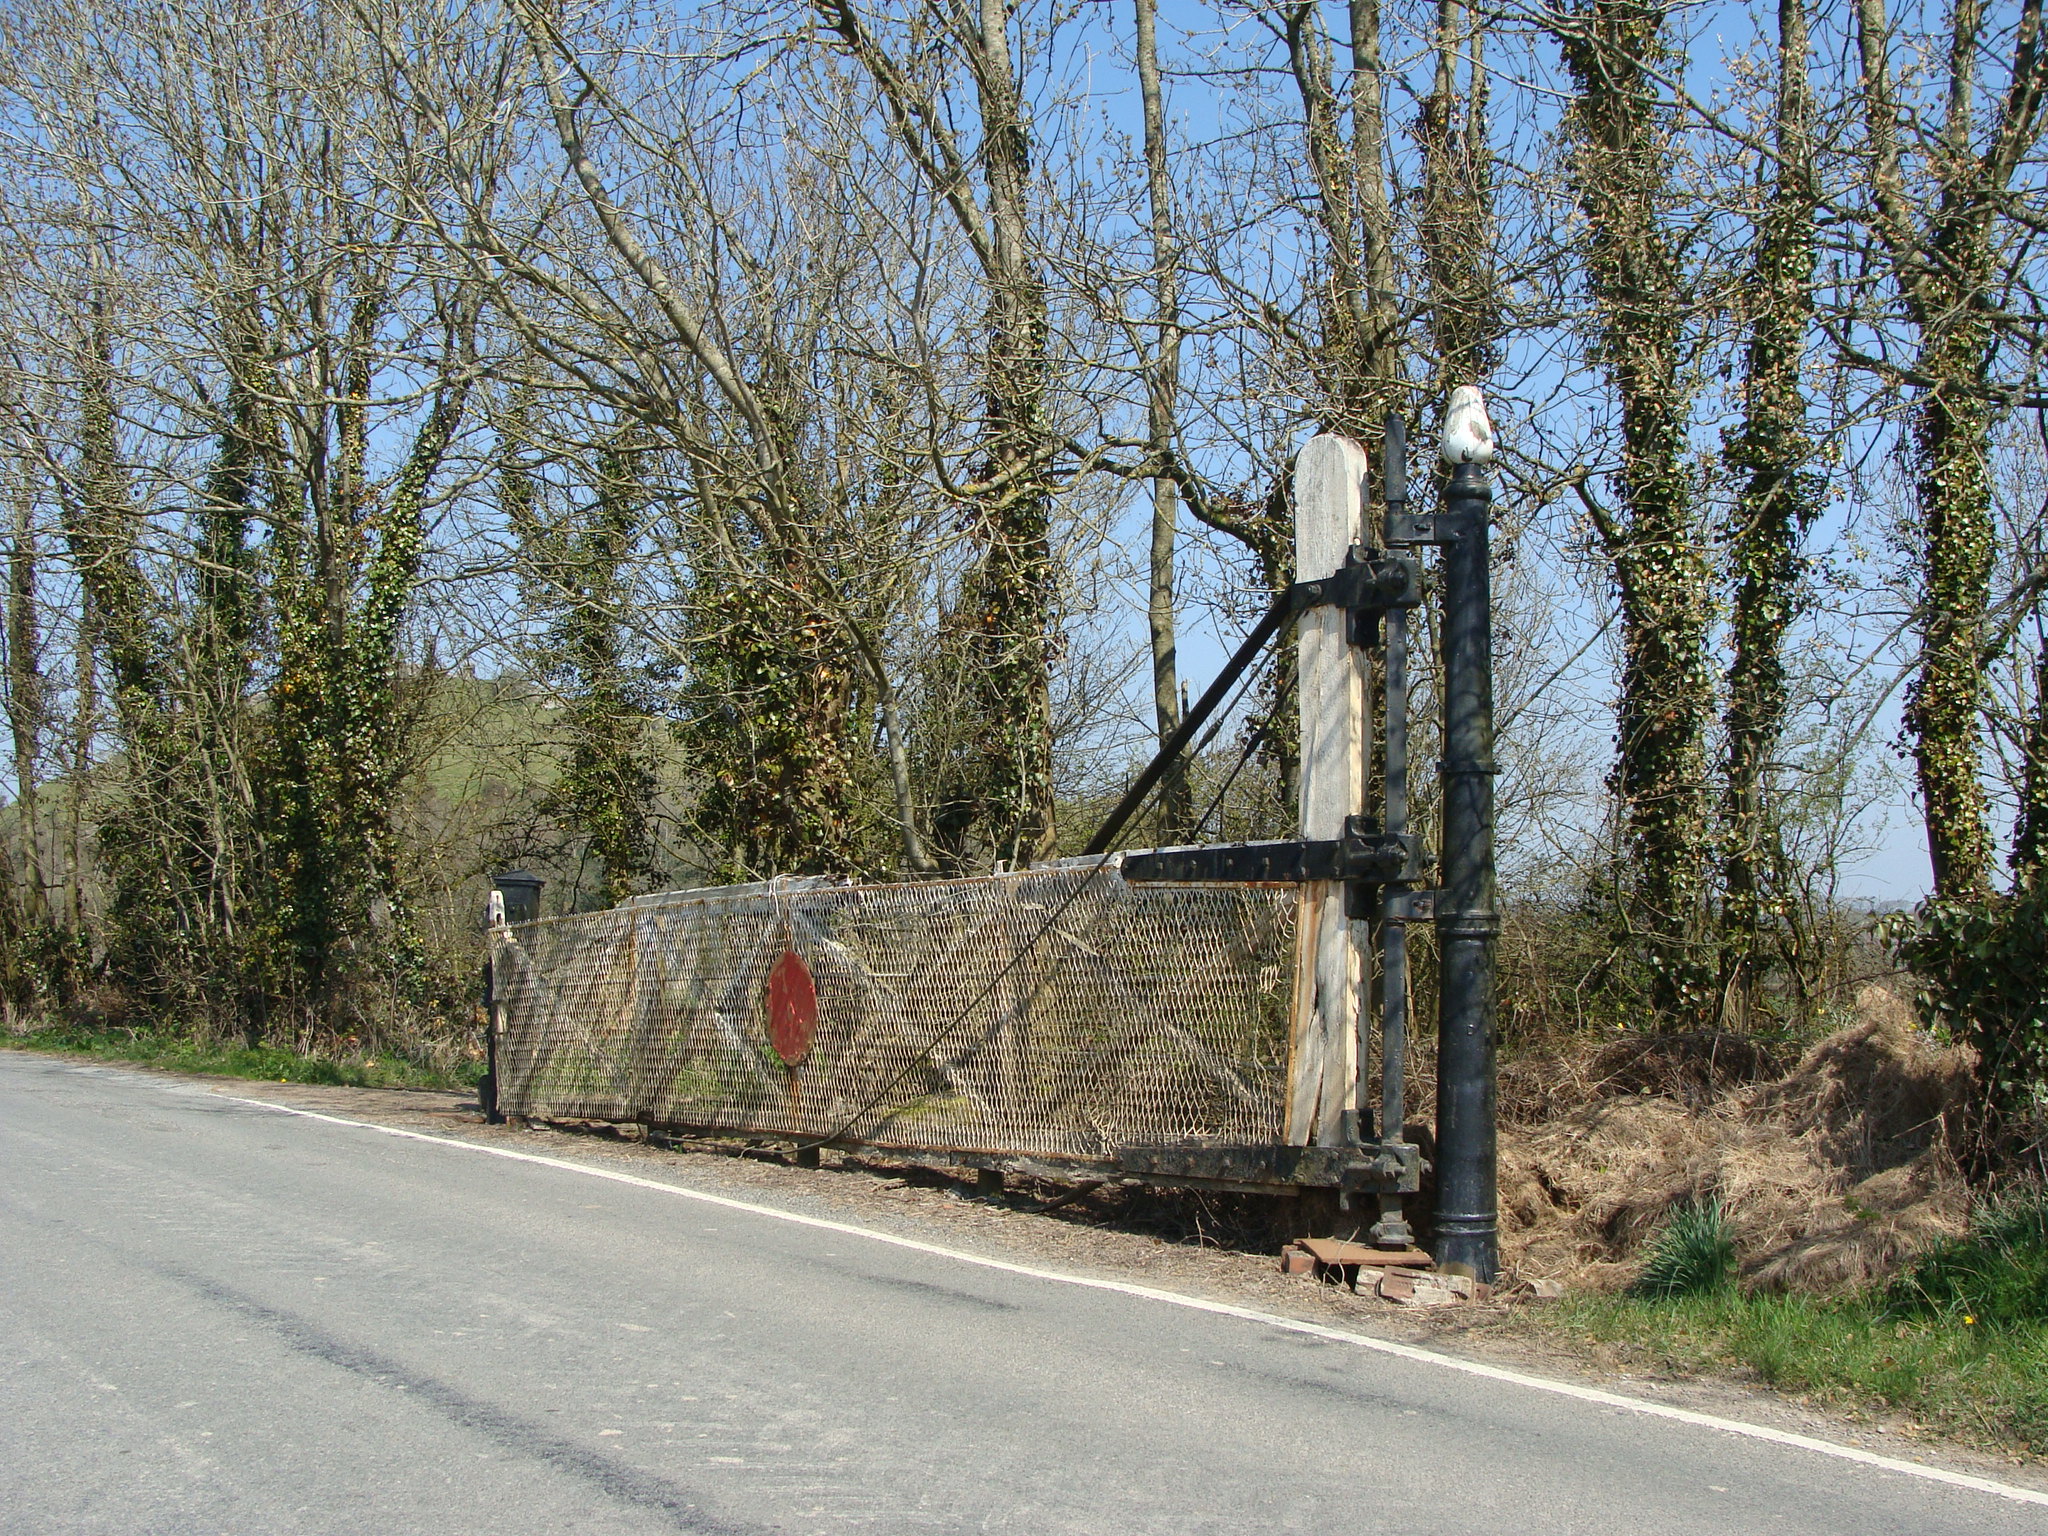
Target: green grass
{"points": [[265, 1063], [1958, 1344], [1693, 1254], [1996, 1277]]}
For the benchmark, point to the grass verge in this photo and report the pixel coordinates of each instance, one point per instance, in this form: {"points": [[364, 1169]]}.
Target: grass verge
{"points": [[263, 1063], [1958, 1344], [1987, 1385]]}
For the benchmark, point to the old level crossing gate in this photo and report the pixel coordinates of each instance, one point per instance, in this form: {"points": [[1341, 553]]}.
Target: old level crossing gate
{"points": [[1230, 1016]]}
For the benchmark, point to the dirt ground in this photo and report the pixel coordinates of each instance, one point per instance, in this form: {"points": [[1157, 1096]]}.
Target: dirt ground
{"points": [[1199, 1246]]}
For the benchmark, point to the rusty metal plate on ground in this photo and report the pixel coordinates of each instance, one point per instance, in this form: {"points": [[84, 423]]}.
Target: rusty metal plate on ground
{"points": [[1331, 1250], [792, 1008]]}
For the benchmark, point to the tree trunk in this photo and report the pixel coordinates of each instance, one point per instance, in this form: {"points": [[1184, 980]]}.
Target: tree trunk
{"points": [[85, 692], [1162, 395], [1613, 49], [574, 562], [1360, 343], [1779, 498], [1944, 264], [101, 531], [2030, 825], [1457, 234], [1379, 344], [142, 839], [1944, 707], [1010, 594], [27, 701]]}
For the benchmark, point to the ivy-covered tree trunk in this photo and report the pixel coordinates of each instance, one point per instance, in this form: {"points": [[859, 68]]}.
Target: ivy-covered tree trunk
{"points": [[223, 630], [28, 709], [769, 740], [1941, 220], [1616, 50], [1004, 618], [1944, 705], [574, 568], [339, 727], [1780, 496], [2030, 823], [37, 968], [993, 784], [144, 835], [1942, 247], [84, 731], [1984, 971]]}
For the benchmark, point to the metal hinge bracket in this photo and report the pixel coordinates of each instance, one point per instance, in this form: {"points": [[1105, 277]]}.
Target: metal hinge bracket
{"points": [[1366, 586]]}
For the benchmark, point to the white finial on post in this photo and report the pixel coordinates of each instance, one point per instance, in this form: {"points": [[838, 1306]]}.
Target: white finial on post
{"points": [[1468, 435]]}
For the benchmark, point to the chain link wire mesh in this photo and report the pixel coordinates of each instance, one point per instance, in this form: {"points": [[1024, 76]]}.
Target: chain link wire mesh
{"points": [[1055, 1012]]}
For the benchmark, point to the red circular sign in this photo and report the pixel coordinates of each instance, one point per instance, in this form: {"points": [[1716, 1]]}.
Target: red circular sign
{"points": [[792, 1008]]}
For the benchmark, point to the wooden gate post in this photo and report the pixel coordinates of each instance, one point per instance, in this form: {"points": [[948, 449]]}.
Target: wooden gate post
{"points": [[514, 898], [1323, 1066]]}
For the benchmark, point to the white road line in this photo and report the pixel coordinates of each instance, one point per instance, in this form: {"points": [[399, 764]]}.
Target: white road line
{"points": [[1221, 1308]]}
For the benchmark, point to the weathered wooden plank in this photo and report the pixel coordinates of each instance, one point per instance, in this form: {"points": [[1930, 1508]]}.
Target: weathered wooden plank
{"points": [[1329, 512]]}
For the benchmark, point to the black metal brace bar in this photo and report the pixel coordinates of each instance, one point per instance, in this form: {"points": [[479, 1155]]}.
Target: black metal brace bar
{"points": [[1368, 585], [1364, 853]]}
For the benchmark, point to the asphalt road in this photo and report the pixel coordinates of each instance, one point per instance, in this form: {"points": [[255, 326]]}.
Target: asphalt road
{"points": [[220, 1318]]}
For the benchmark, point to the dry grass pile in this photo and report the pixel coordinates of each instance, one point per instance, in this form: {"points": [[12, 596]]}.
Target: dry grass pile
{"points": [[1830, 1174]]}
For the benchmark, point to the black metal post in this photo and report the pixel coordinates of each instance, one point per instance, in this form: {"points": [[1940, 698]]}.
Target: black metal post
{"points": [[1467, 921], [1392, 1229], [487, 1089]]}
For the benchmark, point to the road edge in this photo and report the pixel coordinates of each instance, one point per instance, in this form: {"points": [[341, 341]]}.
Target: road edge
{"points": [[1411, 1352]]}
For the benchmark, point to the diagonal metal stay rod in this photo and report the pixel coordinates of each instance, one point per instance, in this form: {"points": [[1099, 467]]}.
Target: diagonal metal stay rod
{"points": [[1285, 606]]}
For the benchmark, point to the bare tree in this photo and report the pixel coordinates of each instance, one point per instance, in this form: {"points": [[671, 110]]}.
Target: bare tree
{"points": [[1162, 400]]}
